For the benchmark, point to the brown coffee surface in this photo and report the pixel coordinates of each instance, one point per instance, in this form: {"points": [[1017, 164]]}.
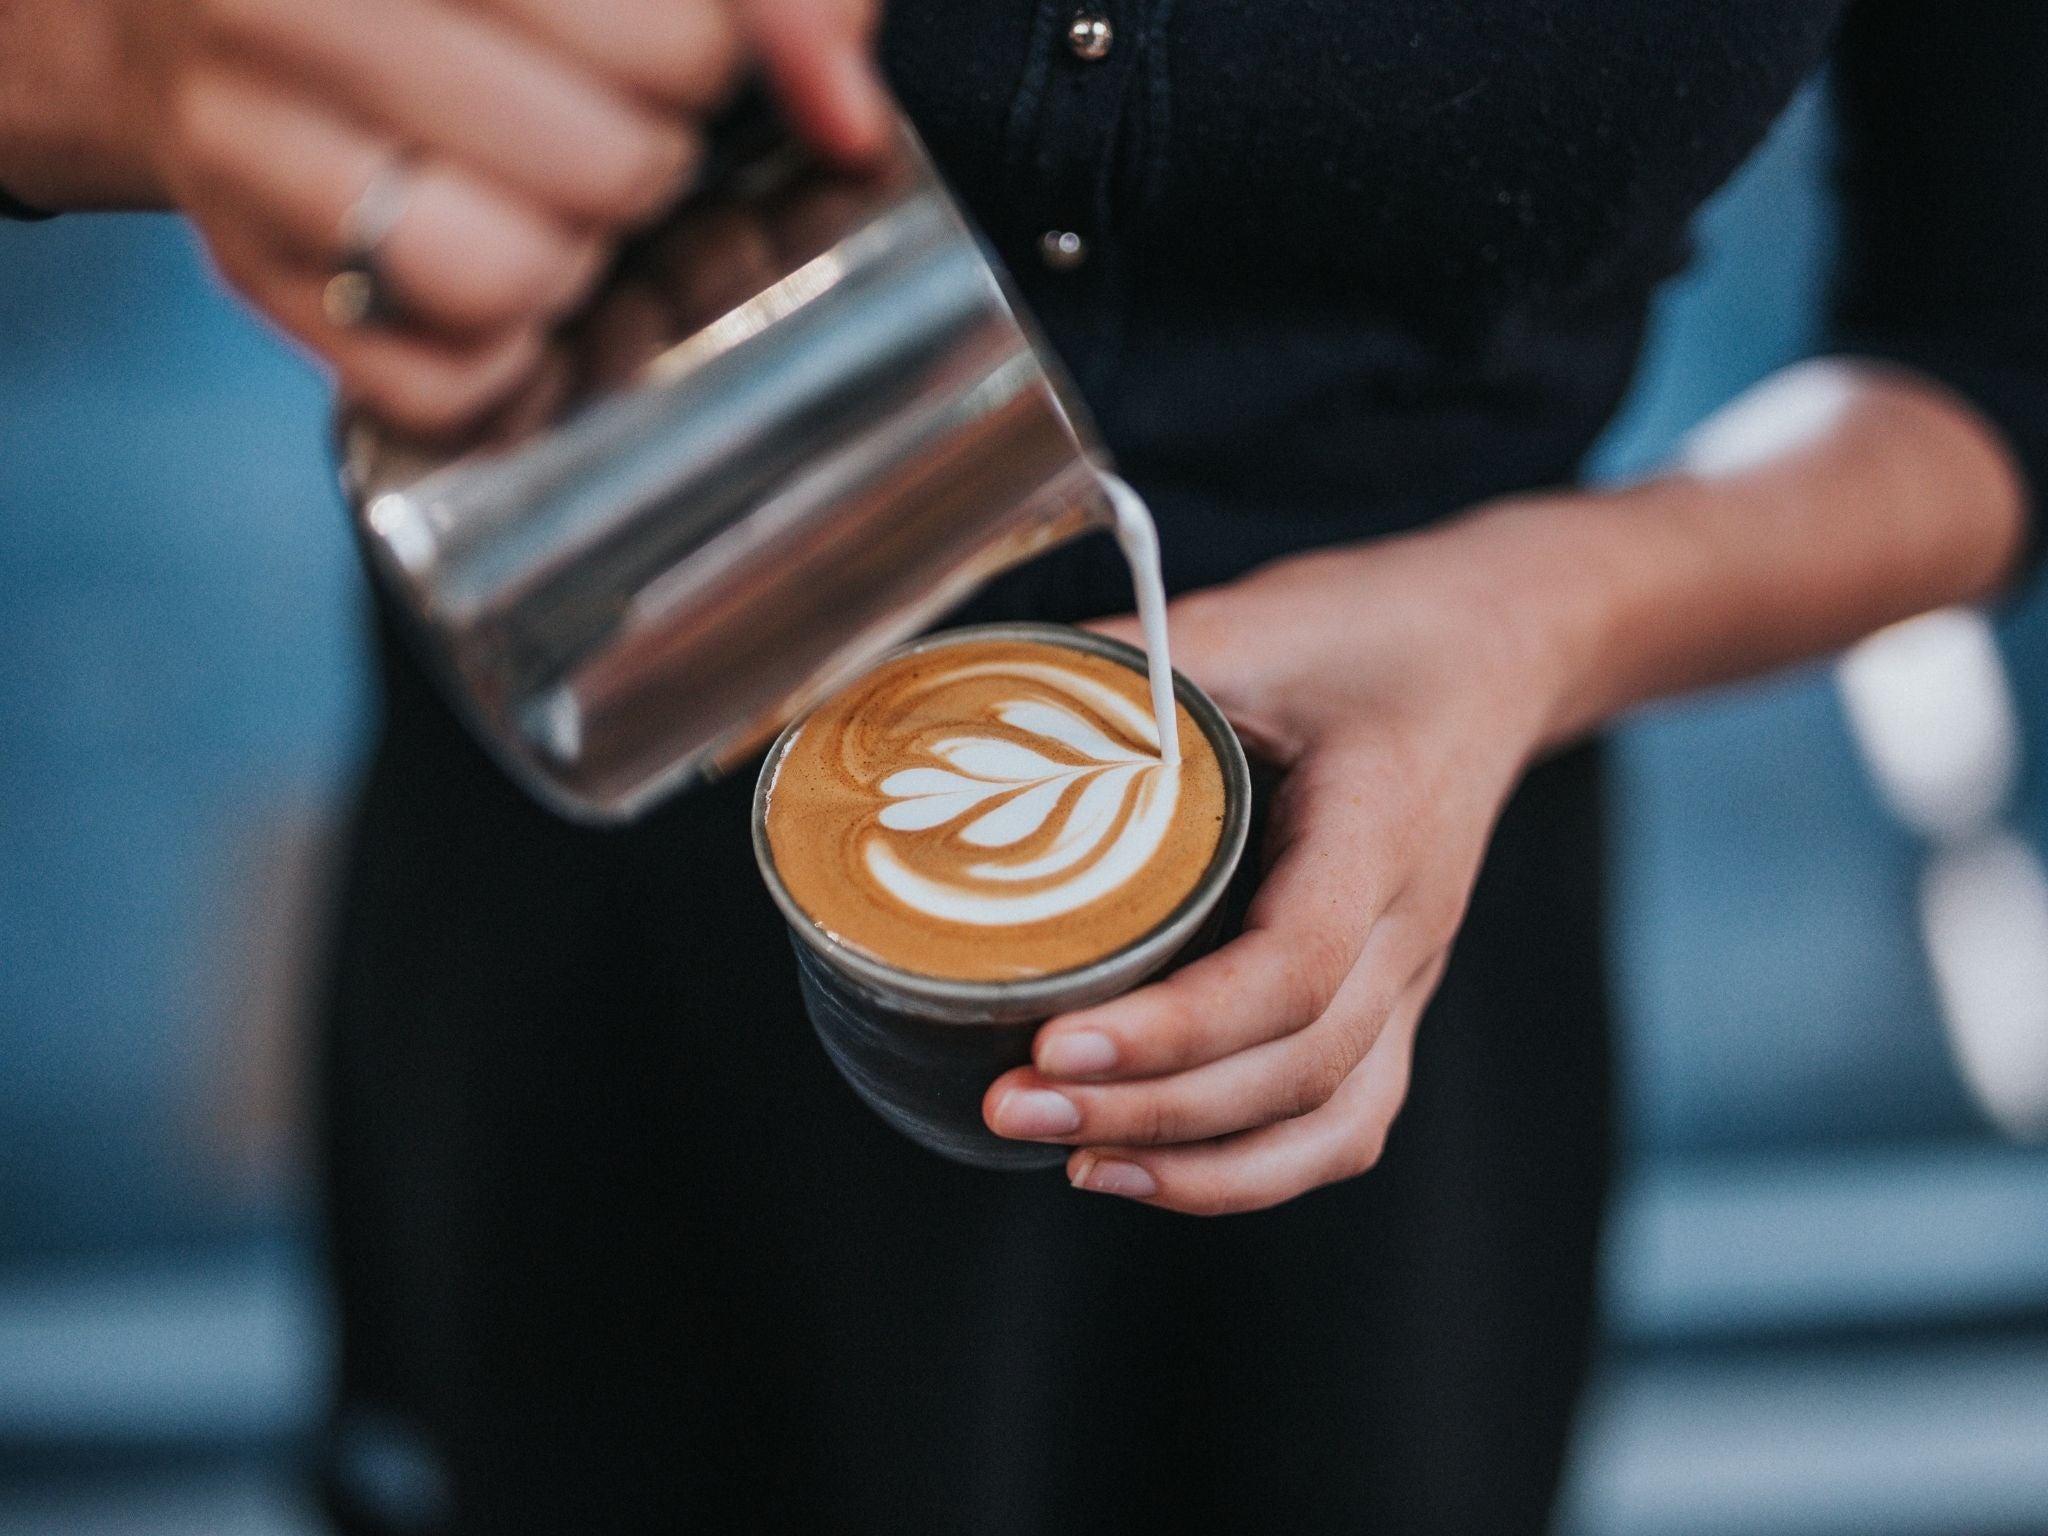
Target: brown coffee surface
{"points": [[992, 810]]}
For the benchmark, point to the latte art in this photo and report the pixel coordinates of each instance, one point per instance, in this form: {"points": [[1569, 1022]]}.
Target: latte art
{"points": [[1112, 805], [993, 809]]}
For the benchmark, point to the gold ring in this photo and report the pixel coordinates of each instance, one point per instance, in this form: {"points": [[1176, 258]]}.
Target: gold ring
{"points": [[357, 296]]}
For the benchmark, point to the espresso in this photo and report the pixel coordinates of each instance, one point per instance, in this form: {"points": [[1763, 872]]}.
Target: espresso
{"points": [[993, 810]]}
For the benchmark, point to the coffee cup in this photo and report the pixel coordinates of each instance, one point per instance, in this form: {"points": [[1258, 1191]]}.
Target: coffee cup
{"points": [[921, 1049]]}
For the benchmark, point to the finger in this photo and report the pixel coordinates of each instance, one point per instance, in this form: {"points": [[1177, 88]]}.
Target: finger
{"points": [[1261, 1168], [682, 53], [820, 55], [537, 400], [1303, 933], [462, 256], [425, 384], [471, 89], [1280, 1080]]}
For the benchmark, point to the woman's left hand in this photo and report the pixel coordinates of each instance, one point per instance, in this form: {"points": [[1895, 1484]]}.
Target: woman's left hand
{"points": [[1401, 688]]}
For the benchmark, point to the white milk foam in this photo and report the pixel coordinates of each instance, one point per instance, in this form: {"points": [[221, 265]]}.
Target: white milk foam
{"points": [[1029, 787]]}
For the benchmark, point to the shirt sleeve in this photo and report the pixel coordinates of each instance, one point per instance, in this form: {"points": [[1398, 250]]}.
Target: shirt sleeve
{"points": [[1942, 168], [13, 208]]}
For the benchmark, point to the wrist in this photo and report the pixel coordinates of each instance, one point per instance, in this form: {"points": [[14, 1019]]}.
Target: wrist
{"points": [[70, 136], [1559, 580], [1829, 501]]}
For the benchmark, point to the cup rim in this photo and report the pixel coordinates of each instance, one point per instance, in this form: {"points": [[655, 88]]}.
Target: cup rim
{"points": [[1032, 996]]}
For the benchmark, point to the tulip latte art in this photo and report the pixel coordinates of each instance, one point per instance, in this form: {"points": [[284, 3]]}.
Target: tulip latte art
{"points": [[993, 809]]}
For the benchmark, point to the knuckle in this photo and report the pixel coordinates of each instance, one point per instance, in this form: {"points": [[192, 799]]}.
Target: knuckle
{"points": [[1170, 1036], [226, 21], [699, 59], [532, 279], [1359, 1030], [1308, 968], [1317, 1082], [1228, 1198], [512, 298], [482, 260], [200, 121], [1370, 1148], [406, 393], [648, 171], [1323, 958], [1157, 1119], [1362, 1152], [244, 29]]}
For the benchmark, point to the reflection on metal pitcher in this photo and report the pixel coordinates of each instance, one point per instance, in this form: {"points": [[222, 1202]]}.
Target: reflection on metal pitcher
{"points": [[802, 419]]}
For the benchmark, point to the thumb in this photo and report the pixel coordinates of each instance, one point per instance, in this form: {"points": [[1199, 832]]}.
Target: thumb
{"points": [[1202, 647], [1206, 646], [1190, 646], [820, 56], [1124, 627]]}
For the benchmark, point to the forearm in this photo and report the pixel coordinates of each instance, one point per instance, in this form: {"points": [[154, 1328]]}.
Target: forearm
{"points": [[67, 109], [1834, 499]]}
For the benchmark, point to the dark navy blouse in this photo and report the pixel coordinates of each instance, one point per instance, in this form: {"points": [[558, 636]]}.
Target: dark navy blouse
{"points": [[1327, 269], [1338, 268]]}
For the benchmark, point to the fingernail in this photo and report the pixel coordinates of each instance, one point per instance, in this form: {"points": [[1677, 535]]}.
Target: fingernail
{"points": [[1028, 1112], [1083, 1053], [1107, 1176]]}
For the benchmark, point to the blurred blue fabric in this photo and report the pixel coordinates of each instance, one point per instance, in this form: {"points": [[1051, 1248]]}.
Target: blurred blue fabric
{"points": [[1767, 965], [181, 659], [182, 694]]}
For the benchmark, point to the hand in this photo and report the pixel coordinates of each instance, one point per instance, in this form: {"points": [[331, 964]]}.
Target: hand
{"points": [[535, 134], [1401, 693]]}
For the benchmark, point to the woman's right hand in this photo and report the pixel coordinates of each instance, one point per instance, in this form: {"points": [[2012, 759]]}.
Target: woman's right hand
{"points": [[533, 134]]}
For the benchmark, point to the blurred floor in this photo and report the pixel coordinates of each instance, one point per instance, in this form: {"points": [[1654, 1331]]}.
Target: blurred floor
{"points": [[181, 692], [237, 1500], [1831, 1345], [1893, 1440]]}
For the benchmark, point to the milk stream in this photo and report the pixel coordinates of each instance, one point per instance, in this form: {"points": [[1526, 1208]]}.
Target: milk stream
{"points": [[1138, 537], [1058, 770]]}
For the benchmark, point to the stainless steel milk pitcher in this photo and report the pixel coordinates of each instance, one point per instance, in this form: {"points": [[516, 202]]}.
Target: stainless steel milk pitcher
{"points": [[802, 419]]}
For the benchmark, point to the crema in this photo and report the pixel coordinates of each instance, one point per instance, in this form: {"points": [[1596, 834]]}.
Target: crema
{"points": [[993, 809]]}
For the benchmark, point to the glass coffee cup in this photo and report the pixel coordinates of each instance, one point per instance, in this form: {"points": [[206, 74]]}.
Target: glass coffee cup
{"points": [[922, 1050]]}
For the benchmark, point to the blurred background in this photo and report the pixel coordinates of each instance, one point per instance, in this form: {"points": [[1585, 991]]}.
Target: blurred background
{"points": [[1828, 1281]]}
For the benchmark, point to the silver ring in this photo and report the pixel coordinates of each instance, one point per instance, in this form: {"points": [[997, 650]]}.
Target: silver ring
{"points": [[358, 296]]}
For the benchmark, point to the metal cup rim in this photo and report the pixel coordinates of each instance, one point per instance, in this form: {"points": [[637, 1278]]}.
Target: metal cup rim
{"points": [[950, 1000]]}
